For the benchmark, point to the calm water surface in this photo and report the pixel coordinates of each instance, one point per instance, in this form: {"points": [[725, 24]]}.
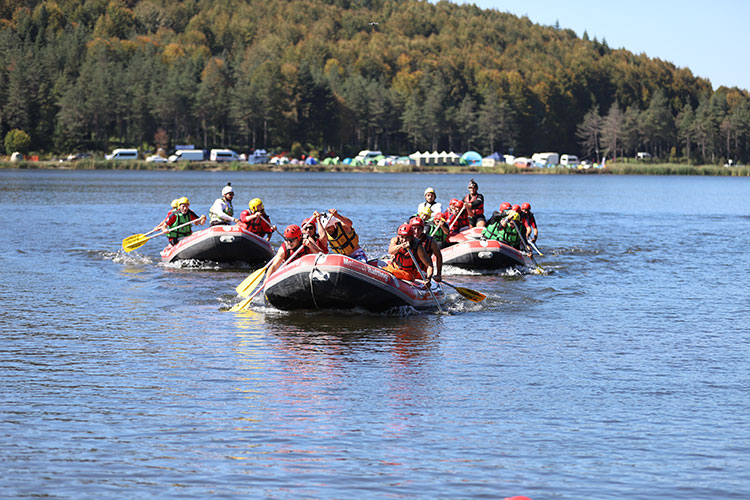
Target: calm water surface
{"points": [[621, 372]]}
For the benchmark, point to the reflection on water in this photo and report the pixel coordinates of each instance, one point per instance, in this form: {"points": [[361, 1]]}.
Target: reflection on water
{"points": [[125, 378]]}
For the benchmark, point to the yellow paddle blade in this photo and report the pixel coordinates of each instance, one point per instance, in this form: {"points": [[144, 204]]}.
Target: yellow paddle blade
{"points": [[470, 294], [241, 305], [248, 284], [134, 243]]}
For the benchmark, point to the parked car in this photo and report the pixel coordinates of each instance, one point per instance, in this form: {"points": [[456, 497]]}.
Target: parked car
{"points": [[123, 154], [187, 155], [570, 161], [223, 155], [156, 159]]}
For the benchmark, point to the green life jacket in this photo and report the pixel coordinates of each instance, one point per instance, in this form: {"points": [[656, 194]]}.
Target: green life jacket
{"points": [[436, 232], [507, 234], [183, 231]]}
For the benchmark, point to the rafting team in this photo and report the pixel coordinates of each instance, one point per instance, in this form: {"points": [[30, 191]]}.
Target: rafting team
{"points": [[412, 249]]}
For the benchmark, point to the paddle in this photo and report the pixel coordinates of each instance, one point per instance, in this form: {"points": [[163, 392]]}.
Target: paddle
{"points": [[450, 227], [526, 247], [429, 288], [245, 303], [248, 284], [271, 225], [468, 293], [138, 240], [130, 239], [533, 245]]}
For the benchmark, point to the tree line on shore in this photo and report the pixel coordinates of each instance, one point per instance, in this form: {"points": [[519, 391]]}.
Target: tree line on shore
{"points": [[344, 75]]}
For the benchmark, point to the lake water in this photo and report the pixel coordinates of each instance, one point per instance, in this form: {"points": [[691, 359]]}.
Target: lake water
{"points": [[620, 372]]}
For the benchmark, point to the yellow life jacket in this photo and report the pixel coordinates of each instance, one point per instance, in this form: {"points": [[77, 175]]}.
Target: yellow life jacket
{"points": [[343, 243]]}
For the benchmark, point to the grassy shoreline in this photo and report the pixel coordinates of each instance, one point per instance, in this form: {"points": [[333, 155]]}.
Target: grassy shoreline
{"points": [[611, 169]]}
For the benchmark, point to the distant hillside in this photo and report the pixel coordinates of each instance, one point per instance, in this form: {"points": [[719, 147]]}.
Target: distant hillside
{"points": [[344, 75]]}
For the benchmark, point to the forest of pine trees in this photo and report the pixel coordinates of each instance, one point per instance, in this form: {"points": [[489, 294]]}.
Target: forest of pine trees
{"points": [[344, 75]]}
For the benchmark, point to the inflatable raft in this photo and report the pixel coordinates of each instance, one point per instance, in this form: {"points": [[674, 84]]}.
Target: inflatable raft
{"points": [[220, 244], [468, 251], [334, 281]]}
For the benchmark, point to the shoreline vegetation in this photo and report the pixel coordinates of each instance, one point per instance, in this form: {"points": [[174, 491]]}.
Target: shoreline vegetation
{"points": [[610, 169]]}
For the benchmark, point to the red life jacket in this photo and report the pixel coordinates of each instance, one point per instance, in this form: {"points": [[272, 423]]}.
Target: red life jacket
{"points": [[403, 260], [288, 252], [471, 199]]}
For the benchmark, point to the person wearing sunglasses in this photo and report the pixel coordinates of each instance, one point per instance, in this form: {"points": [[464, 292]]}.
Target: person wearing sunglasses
{"points": [[221, 212]]}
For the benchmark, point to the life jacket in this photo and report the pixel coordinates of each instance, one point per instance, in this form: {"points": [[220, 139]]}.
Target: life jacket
{"points": [[226, 207], [463, 221], [288, 251], [183, 231], [342, 243], [258, 225], [403, 260], [471, 199], [528, 219], [507, 234], [436, 232]]}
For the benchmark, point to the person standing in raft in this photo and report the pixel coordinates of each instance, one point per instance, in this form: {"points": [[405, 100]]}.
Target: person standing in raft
{"points": [[429, 202], [341, 236], [182, 215], [529, 222], [456, 217], [502, 226], [474, 202], [312, 228], [222, 212], [293, 238], [430, 247], [402, 265], [255, 219]]}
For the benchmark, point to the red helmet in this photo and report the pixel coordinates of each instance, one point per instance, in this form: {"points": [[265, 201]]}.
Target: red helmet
{"points": [[309, 220], [404, 230], [455, 202], [525, 206], [517, 208], [292, 232], [504, 206], [416, 221]]}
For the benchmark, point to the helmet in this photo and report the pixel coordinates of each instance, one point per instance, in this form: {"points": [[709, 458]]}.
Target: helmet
{"points": [[525, 206], [227, 189], [404, 230], [425, 213], [439, 217], [517, 208], [455, 202], [309, 220], [174, 203], [473, 183], [255, 204], [183, 201], [429, 190], [292, 231], [416, 221], [504, 206]]}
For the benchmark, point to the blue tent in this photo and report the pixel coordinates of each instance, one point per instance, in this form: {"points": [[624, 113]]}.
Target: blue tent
{"points": [[470, 158], [311, 161]]}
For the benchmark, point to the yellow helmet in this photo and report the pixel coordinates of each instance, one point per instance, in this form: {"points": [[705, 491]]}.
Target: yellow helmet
{"points": [[425, 213], [183, 201], [174, 203], [255, 204]]}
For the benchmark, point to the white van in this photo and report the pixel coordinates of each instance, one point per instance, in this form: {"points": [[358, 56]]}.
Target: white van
{"points": [[570, 161], [123, 154], [223, 155], [545, 159], [187, 155]]}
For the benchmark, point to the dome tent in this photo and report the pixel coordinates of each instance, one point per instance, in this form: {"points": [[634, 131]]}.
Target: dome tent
{"points": [[470, 158]]}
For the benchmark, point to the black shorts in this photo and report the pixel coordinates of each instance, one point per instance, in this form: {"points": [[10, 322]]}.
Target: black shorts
{"points": [[476, 219]]}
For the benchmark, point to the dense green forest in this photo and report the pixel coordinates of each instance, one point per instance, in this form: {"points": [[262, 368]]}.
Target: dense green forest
{"points": [[344, 75]]}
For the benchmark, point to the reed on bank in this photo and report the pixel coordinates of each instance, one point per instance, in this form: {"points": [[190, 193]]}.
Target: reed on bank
{"points": [[610, 169]]}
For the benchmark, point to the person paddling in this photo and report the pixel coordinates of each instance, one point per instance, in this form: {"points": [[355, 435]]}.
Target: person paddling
{"points": [[293, 238], [341, 236], [162, 226], [182, 216], [255, 219], [529, 222], [313, 228], [430, 246], [222, 212], [502, 226], [474, 202], [438, 230], [402, 247], [456, 217]]}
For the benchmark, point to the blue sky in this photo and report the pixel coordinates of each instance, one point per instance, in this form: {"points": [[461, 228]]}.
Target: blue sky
{"points": [[709, 37]]}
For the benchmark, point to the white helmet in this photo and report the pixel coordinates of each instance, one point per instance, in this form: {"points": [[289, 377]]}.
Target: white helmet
{"points": [[227, 189]]}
